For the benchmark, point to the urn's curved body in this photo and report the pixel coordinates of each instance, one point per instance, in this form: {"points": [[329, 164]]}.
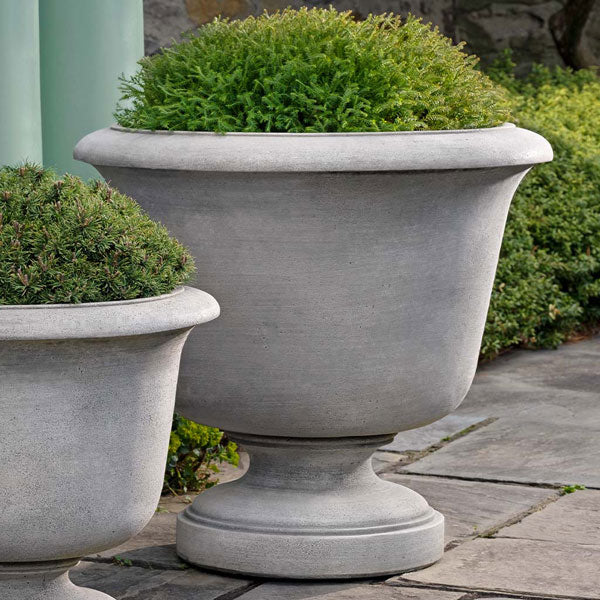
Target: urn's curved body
{"points": [[353, 300], [354, 273], [86, 401]]}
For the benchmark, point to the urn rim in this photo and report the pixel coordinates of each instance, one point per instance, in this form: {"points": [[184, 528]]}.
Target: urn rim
{"points": [[183, 308], [433, 150]]}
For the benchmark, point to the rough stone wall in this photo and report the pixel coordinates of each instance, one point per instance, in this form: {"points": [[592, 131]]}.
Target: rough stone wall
{"points": [[546, 31]]}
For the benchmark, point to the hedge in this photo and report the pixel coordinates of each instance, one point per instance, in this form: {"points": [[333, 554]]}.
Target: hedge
{"points": [[548, 281]]}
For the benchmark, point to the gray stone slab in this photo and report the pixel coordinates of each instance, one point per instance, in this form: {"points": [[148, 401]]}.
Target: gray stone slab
{"points": [[523, 451], [517, 566], [570, 367], [548, 385], [573, 519], [503, 397], [134, 583], [351, 591], [423, 437], [470, 507]]}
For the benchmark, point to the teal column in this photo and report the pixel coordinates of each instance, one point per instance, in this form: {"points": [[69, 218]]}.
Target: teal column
{"points": [[20, 122], [85, 46]]}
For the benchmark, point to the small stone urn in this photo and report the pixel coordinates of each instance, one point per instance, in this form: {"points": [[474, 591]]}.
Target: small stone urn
{"points": [[86, 403], [354, 272]]}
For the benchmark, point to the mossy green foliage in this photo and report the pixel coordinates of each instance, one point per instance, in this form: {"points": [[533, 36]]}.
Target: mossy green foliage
{"points": [[65, 241], [195, 451], [571, 489], [548, 280], [312, 70]]}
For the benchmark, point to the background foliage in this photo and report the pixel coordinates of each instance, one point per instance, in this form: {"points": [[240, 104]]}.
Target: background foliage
{"points": [[65, 241], [195, 451], [314, 70], [548, 279]]}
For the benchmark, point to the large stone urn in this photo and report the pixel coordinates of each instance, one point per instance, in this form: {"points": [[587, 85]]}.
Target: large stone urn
{"points": [[354, 273], [86, 403]]}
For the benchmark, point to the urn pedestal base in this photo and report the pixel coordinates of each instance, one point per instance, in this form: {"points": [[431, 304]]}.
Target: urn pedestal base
{"points": [[43, 581], [310, 509]]}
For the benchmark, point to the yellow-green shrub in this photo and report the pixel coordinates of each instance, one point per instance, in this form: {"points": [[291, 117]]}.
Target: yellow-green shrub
{"points": [[195, 451], [311, 70]]}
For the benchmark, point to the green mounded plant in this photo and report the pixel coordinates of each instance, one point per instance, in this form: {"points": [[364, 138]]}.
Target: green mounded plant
{"points": [[66, 241], [548, 280], [194, 451], [312, 70]]}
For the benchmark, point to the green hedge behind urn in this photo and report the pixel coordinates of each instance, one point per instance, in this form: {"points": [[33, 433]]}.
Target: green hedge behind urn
{"points": [[548, 280]]}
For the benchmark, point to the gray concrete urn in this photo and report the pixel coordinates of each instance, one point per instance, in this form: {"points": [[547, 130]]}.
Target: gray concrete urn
{"points": [[354, 273], [86, 402]]}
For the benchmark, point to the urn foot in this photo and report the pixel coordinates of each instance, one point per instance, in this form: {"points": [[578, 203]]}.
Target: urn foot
{"points": [[43, 581], [310, 508]]}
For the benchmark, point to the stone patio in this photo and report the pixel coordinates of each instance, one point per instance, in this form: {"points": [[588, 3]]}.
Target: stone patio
{"points": [[496, 468]]}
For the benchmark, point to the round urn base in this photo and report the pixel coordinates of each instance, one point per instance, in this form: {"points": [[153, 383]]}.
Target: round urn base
{"points": [[43, 581], [310, 509]]}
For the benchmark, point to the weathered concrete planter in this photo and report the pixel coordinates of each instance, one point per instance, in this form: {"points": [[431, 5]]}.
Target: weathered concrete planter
{"points": [[355, 273], [86, 402]]}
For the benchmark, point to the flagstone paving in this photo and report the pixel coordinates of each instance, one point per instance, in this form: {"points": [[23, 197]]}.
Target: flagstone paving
{"points": [[519, 566], [548, 423], [423, 437], [573, 519], [135, 583], [538, 451], [496, 468], [473, 508], [352, 591]]}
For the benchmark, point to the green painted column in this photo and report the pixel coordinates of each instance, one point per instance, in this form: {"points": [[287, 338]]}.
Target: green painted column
{"points": [[85, 46], [20, 121]]}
